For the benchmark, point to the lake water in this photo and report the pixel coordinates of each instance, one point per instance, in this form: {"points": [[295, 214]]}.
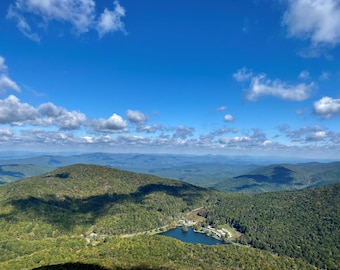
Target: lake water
{"points": [[192, 237]]}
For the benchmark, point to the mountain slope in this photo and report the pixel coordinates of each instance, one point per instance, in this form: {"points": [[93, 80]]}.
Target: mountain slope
{"points": [[300, 224], [13, 172], [283, 177], [73, 198], [76, 215]]}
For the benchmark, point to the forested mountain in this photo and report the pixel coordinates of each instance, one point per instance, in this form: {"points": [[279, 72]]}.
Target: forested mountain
{"points": [[76, 197], [81, 214], [13, 172], [299, 224], [279, 177]]}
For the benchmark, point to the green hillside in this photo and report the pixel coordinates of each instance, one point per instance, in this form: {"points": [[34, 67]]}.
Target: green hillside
{"points": [[283, 177], [72, 199], [13, 172], [139, 252], [81, 215], [299, 224]]}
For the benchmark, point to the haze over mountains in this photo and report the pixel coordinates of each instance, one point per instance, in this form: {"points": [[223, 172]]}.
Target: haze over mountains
{"points": [[226, 173]]}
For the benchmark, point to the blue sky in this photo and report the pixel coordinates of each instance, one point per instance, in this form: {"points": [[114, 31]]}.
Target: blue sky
{"points": [[243, 77]]}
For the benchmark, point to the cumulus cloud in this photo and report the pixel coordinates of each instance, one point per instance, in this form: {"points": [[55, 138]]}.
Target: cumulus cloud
{"points": [[210, 137], [136, 117], [254, 140], [151, 128], [317, 136], [261, 85], [243, 74], [13, 112], [110, 21], [321, 26], [327, 107], [304, 75], [5, 82], [306, 134], [53, 115], [228, 118], [112, 125], [235, 140], [183, 133], [6, 135], [324, 76], [16, 113], [80, 14]]}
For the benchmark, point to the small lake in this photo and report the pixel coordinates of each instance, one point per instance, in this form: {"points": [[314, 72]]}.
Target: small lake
{"points": [[192, 237]]}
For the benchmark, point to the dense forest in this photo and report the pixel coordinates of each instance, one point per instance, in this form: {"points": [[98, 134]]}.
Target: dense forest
{"points": [[140, 252], [82, 214], [299, 224]]}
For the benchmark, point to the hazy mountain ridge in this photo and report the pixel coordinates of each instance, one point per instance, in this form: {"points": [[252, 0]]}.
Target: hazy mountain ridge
{"points": [[205, 171], [283, 177], [14, 172]]}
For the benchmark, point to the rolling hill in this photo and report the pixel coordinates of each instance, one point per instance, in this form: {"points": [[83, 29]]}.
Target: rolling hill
{"points": [[14, 172], [300, 224], [76, 197], [280, 177], [78, 215]]}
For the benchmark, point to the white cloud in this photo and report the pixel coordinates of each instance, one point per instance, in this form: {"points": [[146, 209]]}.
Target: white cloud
{"points": [[324, 76], [327, 107], [315, 20], [304, 75], [13, 112], [151, 128], [243, 74], [16, 113], [228, 118], [110, 21], [6, 135], [235, 140], [183, 133], [53, 115], [112, 125], [80, 14], [136, 117], [301, 111], [5, 82], [308, 134], [267, 143], [221, 108], [260, 85], [317, 136]]}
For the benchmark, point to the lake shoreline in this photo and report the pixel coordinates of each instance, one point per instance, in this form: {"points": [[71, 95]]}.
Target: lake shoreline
{"points": [[191, 236]]}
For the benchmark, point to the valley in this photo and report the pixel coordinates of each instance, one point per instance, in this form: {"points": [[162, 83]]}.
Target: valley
{"points": [[99, 216]]}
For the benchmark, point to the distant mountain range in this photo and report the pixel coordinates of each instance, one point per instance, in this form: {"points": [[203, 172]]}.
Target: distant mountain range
{"points": [[280, 177], [231, 174], [199, 170]]}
